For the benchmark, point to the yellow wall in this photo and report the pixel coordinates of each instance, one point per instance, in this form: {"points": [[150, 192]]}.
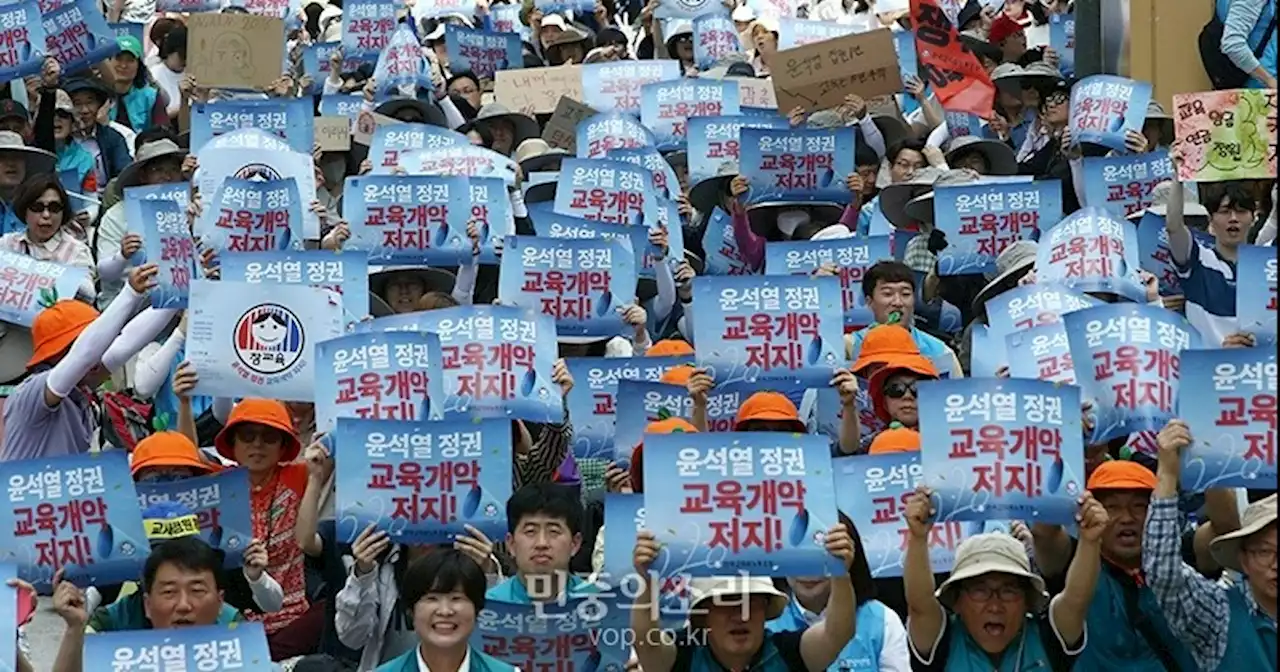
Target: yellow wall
{"points": [[1164, 45]]}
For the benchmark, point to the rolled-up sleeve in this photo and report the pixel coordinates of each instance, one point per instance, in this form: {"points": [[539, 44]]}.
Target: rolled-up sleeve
{"points": [[1195, 607]]}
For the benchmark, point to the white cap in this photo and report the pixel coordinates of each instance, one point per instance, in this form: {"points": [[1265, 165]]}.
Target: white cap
{"points": [[833, 232], [744, 14], [553, 21], [790, 220]]}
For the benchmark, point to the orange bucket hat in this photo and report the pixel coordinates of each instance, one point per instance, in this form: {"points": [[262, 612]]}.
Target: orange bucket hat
{"points": [[896, 439], [667, 426], [677, 375], [1121, 475], [883, 343], [268, 412], [57, 327], [768, 406], [669, 347], [909, 363], [168, 449]]}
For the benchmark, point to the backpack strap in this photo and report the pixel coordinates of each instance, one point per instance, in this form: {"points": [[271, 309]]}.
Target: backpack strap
{"points": [[1266, 37], [1140, 620]]}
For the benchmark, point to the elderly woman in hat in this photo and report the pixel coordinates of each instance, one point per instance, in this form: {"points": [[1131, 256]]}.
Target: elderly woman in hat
{"points": [[507, 129], [1226, 626], [727, 626], [17, 163], [990, 614]]}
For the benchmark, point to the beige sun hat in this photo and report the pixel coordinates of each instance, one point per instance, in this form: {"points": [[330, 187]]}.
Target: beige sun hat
{"points": [[1017, 257], [38, 160], [718, 587], [1160, 202], [1226, 547], [155, 150], [993, 553]]}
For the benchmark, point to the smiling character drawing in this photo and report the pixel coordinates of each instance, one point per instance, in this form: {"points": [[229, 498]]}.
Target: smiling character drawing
{"points": [[268, 338]]}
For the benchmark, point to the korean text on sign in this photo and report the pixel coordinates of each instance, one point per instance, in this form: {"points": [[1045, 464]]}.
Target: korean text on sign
{"points": [[602, 133], [797, 164], [1226, 135], [221, 505], [1091, 251], [23, 281], [851, 257], [1232, 418], [581, 284], [593, 400], [240, 646], [378, 376], [982, 220], [251, 216], [345, 273], [1002, 449], [1256, 294], [1041, 353], [606, 191], [561, 635], [1031, 306]]}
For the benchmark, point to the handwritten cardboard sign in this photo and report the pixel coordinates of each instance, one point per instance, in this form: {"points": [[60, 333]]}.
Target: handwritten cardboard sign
{"points": [[1226, 135], [818, 76], [333, 134], [756, 93], [236, 51], [368, 122], [562, 128], [540, 88]]}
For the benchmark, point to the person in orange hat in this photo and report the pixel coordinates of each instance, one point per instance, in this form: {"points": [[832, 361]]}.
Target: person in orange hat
{"points": [[669, 347], [893, 392], [50, 413], [168, 456], [895, 439], [882, 344], [260, 437], [1116, 641]]}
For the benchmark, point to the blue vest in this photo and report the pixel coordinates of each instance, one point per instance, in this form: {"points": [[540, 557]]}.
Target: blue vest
{"points": [[769, 660], [1025, 654], [862, 653], [1251, 637], [9, 221], [73, 157], [1115, 644], [138, 104], [512, 591], [1256, 36], [408, 662]]}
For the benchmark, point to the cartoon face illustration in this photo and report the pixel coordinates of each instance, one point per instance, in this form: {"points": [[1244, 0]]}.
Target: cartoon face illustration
{"points": [[269, 329], [268, 338], [234, 51]]}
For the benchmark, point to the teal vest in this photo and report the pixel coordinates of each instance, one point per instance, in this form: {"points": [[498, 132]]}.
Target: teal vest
{"points": [[71, 156], [768, 661], [1251, 637], [1115, 644], [1025, 654], [408, 662], [138, 104], [862, 653]]}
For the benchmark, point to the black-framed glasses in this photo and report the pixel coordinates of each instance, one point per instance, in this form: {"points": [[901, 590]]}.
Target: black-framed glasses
{"points": [[898, 390], [51, 207], [984, 593]]}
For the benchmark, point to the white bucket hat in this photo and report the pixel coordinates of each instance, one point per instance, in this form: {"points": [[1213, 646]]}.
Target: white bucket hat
{"points": [[992, 553], [1226, 547], [1160, 202], [718, 587]]}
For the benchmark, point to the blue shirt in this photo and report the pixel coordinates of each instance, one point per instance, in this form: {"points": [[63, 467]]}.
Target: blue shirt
{"points": [[1209, 284], [862, 653], [512, 591]]}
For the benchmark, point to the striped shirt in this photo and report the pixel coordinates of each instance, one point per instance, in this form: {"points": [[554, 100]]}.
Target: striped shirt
{"points": [[1209, 284]]}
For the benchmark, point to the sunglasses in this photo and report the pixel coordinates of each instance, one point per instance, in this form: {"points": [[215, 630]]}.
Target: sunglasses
{"points": [[900, 390], [53, 208]]}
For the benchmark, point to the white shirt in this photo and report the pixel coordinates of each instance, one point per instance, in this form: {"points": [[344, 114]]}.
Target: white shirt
{"points": [[168, 81], [464, 667]]}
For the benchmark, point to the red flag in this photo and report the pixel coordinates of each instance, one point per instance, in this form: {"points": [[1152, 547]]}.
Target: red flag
{"points": [[954, 72]]}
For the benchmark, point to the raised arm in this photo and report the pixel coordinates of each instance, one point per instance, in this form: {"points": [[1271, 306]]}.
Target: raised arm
{"points": [[1068, 610], [821, 643], [925, 616], [1180, 240], [319, 469], [655, 652]]}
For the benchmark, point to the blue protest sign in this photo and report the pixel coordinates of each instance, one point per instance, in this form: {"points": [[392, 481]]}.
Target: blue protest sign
{"points": [[496, 361], [490, 210], [23, 40], [607, 191], [401, 67], [567, 634], [287, 118], [342, 105], [684, 9], [1002, 449], [1126, 361], [179, 193], [828, 414], [220, 503], [253, 216], [482, 52], [783, 332], [1123, 184], [648, 402], [24, 282], [665, 107], [627, 514], [713, 143], [1232, 418], [615, 86], [464, 160], [981, 220], [794, 33], [721, 247], [581, 284], [134, 30], [714, 37], [555, 225], [741, 501], [851, 257], [392, 141], [904, 45], [241, 646], [962, 124], [346, 273], [1091, 251], [367, 26], [986, 352], [1103, 107], [599, 134], [168, 243], [506, 19], [1032, 305], [802, 164], [1256, 296], [441, 8], [1154, 256], [316, 62], [409, 219], [78, 513], [873, 491], [422, 482], [664, 176], [77, 35], [548, 7], [1041, 353], [252, 154], [378, 376], [247, 343], [592, 402], [1062, 38]]}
